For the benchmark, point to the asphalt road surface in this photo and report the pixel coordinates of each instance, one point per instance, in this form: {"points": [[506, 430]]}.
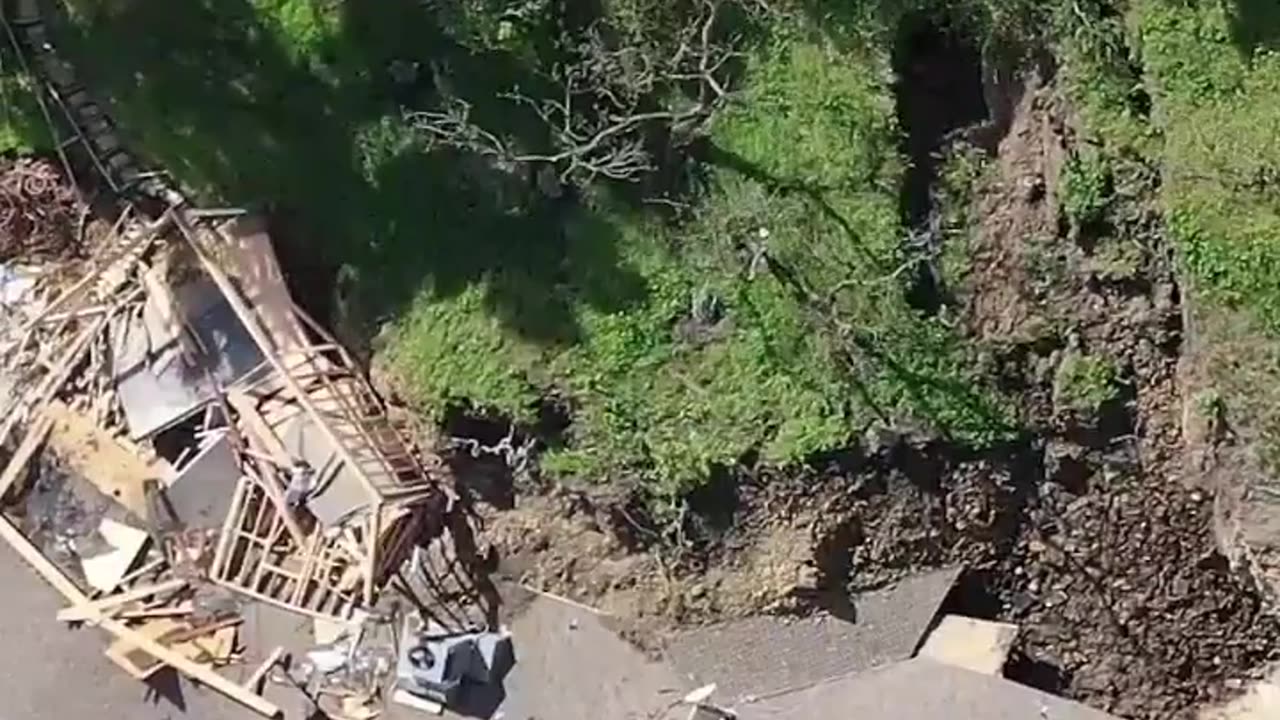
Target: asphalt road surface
{"points": [[49, 671]]}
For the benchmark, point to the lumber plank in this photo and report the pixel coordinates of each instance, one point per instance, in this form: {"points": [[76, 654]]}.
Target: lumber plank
{"points": [[206, 629], [271, 486], [254, 683], [269, 351], [261, 434], [202, 674], [199, 673], [258, 427], [180, 610], [133, 661], [230, 531], [371, 558], [31, 442], [87, 611], [57, 376], [113, 252]]}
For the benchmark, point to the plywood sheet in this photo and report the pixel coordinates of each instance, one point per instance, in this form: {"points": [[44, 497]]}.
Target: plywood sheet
{"points": [[137, 662], [116, 470], [251, 260], [105, 571], [215, 646], [201, 490]]}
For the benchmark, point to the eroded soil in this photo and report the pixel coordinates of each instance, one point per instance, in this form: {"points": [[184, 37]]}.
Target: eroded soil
{"points": [[1086, 532]]}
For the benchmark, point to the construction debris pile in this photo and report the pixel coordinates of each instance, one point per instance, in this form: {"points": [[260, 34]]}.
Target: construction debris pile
{"points": [[234, 455]]}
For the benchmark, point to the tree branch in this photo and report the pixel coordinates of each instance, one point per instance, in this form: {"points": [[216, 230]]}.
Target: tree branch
{"points": [[612, 104]]}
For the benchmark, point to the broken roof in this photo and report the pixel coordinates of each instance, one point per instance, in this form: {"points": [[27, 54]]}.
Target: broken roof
{"points": [[918, 689], [762, 655]]}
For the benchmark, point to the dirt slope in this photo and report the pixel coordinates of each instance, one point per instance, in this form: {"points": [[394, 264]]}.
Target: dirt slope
{"points": [[1086, 533]]}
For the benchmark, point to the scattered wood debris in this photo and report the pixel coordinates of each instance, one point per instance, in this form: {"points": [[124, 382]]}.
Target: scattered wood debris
{"points": [[238, 459], [239, 445]]}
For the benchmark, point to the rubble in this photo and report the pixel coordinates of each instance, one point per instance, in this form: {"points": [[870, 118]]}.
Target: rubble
{"points": [[236, 447]]}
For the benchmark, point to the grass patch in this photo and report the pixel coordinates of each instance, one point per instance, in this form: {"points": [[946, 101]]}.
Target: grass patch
{"points": [[23, 130], [1083, 383], [1218, 104], [1086, 188], [295, 106], [769, 322]]}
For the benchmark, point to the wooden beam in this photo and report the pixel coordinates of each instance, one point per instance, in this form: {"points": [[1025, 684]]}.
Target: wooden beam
{"points": [[102, 607], [185, 608], [31, 442], [99, 265], [58, 375], [76, 314], [409, 700], [202, 674], [250, 321], [254, 683], [230, 527], [263, 597], [258, 427], [371, 557], [201, 630], [262, 437], [271, 485], [149, 567]]}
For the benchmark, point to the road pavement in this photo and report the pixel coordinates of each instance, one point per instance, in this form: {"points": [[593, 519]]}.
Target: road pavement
{"points": [[49, 671]]}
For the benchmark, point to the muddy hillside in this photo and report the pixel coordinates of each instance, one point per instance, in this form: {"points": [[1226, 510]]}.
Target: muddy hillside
{"points": [[1086, 531]]}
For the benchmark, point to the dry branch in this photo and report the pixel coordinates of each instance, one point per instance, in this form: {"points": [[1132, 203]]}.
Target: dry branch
{"points": [[613, 103]]}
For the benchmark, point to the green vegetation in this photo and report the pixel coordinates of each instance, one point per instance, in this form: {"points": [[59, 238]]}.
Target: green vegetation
{"points": [[1083, 383], [1189, 94], [1118, 260], [22, 127], [663, 390], [1214, 74], [767, 316], [746, 296], [1215, 77], [1086, 189]]}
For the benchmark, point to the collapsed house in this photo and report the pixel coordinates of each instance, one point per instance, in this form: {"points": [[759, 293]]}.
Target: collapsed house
{"points": [[239, 443]]}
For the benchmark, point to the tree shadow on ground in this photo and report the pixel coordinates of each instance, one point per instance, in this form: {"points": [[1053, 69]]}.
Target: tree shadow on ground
{"points": [[1255, 26], [900, 351], [815, 194], [305, 121]]}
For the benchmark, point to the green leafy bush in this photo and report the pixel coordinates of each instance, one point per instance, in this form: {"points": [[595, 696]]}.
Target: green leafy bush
{"points": [[1083, 383], [1086, 189]]}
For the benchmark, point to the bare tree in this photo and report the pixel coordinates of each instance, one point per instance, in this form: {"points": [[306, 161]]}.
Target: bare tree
{"points": [[613, 101]]}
